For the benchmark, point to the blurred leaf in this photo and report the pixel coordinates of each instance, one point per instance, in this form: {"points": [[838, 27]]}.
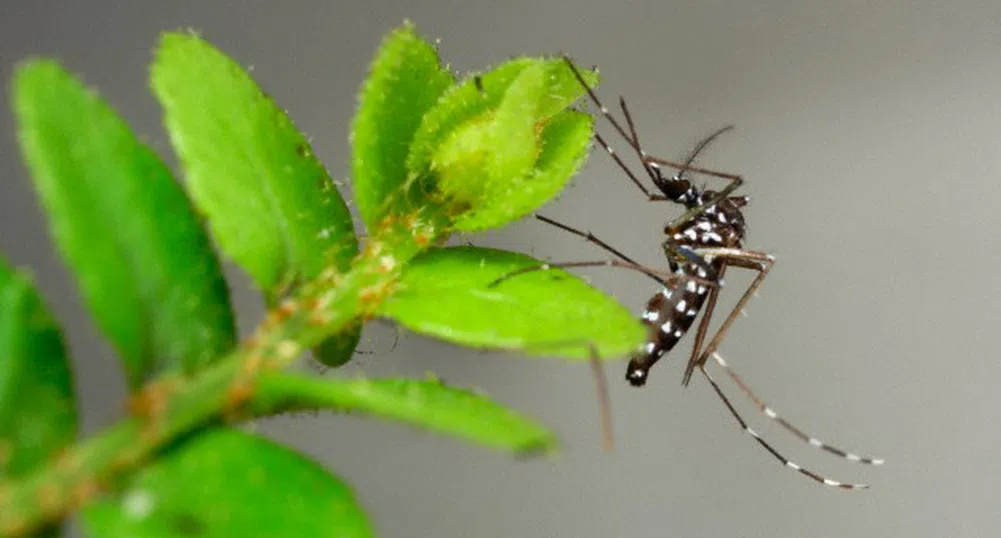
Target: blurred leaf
{"points": [[460, 104], [503, 148], [405, 80], [565, 141], [37, 409], [445, 293], [143, 263], [424, 403], [224, 483], [498, 146], [269, 201]]}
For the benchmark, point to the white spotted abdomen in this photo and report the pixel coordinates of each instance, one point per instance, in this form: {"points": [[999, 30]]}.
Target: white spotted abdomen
{"points": [[668, 316]]}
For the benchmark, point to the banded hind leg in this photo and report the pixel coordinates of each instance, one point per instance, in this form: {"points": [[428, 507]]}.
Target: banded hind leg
{"points": [[762, 263], [665, 278], [771, 450], [756, 261], [676, 189]]}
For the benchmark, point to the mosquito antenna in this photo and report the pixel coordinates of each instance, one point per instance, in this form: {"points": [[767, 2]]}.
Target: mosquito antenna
{"points": [[702, 145]]}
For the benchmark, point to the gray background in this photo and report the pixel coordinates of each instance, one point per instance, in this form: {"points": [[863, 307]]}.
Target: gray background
{"points": [[869, 136]]}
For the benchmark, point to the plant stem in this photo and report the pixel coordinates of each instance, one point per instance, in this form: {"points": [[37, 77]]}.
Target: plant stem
{"points": [[169, 407]]}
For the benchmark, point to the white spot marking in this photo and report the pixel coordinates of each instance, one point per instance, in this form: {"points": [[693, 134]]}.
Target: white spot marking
{"points": [[682, 305], [878, 462], [752, 432], [691, 313], [853, 457], [691, 286], [815, 442], [650, 315], [138, 504], [690, 233], [650, 347], [830, 482], [770, 413], [666, 293], [719, 359], [702, 290], [677, 333], [666, 327], [792, 465]]}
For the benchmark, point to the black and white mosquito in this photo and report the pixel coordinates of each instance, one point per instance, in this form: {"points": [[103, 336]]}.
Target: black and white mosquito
{"points": [[700, 245]]}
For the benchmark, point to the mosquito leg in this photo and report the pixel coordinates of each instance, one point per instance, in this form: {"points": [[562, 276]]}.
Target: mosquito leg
{"points": [[775, 453], [756, 261], [770, 413], [652, 170], [618, 127], [604, 402], [678, 252], [665, 278], [700, 334], [600, 384], [591, 238]]}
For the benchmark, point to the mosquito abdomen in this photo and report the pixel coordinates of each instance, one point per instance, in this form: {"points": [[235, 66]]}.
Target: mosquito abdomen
{"points": [[668, 315]]}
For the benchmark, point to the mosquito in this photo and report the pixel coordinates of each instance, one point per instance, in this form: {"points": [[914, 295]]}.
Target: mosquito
{"points": [[700, 246]]}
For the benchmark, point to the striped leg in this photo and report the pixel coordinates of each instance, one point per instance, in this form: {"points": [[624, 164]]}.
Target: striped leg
{"points": [[785, 461], [756, 261], [665, 278], [700, 333], [652, 165], [591, 238], [770, 413], [608, 148]]}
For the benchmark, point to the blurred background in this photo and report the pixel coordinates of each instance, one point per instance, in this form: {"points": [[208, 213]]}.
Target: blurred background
{"points": [[870, 138]]}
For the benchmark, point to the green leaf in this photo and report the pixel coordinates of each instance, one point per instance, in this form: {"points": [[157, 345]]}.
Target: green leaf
{"points": [[446, 293], [269, 201], [405, 81], [504, 147], [564, 142], [461, 103], [224, 483], [142, 260], [498, 146], [426, 404], [37, 409]]}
